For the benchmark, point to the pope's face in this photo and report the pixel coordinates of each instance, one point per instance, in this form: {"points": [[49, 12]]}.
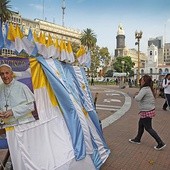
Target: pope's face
{"points": [[6, 74]]}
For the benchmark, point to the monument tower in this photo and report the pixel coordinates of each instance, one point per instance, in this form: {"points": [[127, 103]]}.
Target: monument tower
{"points": [[120, 41]]}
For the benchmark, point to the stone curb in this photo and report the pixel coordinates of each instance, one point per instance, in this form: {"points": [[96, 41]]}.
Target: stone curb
{"points": [[115, 116]]}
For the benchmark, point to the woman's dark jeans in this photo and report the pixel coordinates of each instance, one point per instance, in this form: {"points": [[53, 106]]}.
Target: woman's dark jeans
{"points": [[168, 99], [146, 123]]}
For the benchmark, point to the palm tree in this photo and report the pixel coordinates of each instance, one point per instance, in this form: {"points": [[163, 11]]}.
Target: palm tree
{"points": [[88, 38], [5, 12]]}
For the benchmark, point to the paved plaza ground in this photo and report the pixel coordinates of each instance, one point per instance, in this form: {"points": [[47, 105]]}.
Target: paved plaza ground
{"points": [[128, 156], [125, 155]]}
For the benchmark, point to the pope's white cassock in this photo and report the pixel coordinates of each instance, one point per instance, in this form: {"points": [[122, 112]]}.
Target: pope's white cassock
{"points": [[19, 98]]}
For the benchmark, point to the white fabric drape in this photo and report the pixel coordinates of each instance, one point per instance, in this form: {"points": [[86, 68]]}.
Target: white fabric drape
{"points": [[44, 144]]}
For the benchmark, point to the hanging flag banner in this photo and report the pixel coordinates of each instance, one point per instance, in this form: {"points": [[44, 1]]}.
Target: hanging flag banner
{"points": [[48, 95]]}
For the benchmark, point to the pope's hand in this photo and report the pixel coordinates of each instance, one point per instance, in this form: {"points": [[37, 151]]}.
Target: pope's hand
{"points": [[2, 114], [8, 113]]}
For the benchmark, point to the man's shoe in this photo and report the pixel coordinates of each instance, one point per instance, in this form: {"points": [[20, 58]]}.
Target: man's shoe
{"points": [[160, 147], [134, 141]]}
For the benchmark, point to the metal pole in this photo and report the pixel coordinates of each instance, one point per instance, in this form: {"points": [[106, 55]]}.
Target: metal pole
{"points": [[63, 11], [138, 36], [122, 77], [138, 76]]}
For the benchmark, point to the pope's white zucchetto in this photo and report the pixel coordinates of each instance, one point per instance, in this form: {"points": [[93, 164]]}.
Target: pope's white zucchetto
{"points": [[6, 65]]}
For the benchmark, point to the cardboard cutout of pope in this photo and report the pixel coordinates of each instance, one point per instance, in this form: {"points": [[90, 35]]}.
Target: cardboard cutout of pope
{"points": [[17, 104]]}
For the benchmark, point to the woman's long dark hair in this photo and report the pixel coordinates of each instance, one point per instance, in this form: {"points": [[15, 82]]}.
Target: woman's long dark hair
{"points": [[148, 82]]}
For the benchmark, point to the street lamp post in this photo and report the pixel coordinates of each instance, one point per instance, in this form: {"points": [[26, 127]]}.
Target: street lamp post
{"points": [[138, 36], [123, 62], [122, 77]]}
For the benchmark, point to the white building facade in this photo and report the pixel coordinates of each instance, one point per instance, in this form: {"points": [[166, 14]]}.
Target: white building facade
{"points": [[152, 66]]}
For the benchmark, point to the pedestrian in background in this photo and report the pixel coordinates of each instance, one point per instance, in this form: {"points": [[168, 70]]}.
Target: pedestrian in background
{"points": [[155, 86], [95, 102], [166, 87], [146, 100], [107, 81], [95, 99], [92, 81]]}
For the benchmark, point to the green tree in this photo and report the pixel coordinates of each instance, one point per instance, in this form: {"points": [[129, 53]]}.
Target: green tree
{"points": [[126, 67], [104, 58], [109, 73], [5, 12], [88, 38], [95, 60]]}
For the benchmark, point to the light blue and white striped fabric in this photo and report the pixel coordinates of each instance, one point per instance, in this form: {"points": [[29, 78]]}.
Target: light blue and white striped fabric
{"points": [[73, 95], [72, 125]]}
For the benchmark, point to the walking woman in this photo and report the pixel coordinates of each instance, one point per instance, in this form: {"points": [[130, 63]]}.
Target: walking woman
{"points": [[166, 86], [146, 101]]}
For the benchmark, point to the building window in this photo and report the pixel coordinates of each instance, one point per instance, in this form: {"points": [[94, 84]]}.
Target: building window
{"points": [[142, 71], [166, 70], [151, 71], [160, 71], [150, 52]]}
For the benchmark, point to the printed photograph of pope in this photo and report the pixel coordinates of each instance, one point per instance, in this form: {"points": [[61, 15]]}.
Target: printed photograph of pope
{"points": [[17, 100]]}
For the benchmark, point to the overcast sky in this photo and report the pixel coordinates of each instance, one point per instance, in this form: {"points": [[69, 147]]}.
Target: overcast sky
{"points": [[152, 17]]}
